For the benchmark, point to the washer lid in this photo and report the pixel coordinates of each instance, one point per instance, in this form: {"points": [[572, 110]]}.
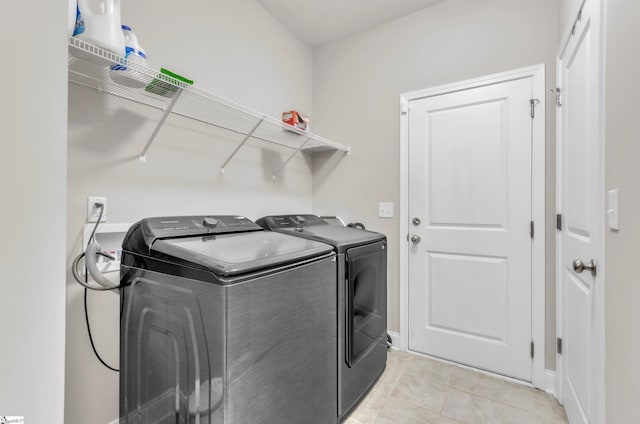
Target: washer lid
{"points": [[238, 253]]}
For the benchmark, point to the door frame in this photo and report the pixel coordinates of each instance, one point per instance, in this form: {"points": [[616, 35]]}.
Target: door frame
{"points": [[537, 75], [598, 376]]}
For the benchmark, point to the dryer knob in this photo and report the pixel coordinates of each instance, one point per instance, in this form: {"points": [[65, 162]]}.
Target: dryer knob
{"points": [[210, 222]]}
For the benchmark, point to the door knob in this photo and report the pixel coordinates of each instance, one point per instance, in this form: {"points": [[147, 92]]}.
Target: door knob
{"points": [[415, 239], [579, 266]]}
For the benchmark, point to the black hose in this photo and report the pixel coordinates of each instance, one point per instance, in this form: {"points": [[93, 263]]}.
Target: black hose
{"points": [[85, 283], [93, 346]]}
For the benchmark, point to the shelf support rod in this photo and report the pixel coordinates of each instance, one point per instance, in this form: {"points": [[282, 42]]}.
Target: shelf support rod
{"points": [[247, 137], [289, 158], [163, 118]]}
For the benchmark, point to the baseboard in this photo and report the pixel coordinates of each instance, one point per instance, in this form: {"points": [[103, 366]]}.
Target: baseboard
{"points": [[395, 340], [550, 382]]}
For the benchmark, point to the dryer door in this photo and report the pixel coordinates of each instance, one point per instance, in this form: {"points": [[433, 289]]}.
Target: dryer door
{"points": [[366, 286]]}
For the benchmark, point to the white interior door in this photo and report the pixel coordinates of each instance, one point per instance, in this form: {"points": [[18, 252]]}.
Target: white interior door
{"points": [[470, 279], [580, 201]]}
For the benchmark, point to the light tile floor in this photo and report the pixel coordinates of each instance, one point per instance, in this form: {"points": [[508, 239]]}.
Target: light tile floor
{"points": [[418, 390]]}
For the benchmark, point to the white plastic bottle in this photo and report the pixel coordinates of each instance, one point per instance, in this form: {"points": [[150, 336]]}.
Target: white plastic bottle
{"points": [[102, 25], [134, 53]]}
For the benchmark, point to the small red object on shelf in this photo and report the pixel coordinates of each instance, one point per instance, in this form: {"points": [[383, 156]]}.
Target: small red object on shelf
{"points": [[295, 119]]}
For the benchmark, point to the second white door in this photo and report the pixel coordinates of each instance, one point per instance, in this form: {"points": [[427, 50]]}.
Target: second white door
{"points": [[470, 214], [581, 202]]}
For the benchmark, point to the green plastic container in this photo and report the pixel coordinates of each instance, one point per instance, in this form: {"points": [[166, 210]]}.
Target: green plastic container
{"points": [[167, 89]]}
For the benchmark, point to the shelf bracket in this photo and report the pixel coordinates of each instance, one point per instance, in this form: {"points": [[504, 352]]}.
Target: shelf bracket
{"points": [[247, 137], [163, 118], [289, 158]]}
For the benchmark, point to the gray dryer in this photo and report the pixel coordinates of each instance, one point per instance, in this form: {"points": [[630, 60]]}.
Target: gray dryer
{"points": [[362, 300]]}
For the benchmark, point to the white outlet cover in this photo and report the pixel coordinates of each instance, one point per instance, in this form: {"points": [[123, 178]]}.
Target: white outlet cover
{"points": [[385, 210], [93, 212]]}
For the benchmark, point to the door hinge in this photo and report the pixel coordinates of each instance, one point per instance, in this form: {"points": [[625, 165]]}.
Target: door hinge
{"points": [[533, 103], [532, 349], [556, 91], [559, 222], [559, 345], [404, 107], [532, 230]]}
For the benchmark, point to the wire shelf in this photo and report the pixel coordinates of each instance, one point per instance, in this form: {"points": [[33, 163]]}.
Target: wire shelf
{"points": [[91, 66]]}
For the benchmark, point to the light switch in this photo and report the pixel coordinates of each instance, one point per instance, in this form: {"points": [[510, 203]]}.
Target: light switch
{"points": [[612, 210], [385, 210]]}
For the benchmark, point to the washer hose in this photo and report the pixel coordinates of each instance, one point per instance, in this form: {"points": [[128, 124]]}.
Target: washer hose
{"points": [[89, 255], [92, 268]]}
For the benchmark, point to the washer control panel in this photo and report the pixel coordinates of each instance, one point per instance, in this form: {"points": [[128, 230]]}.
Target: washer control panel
{"points": [[183, 226]]}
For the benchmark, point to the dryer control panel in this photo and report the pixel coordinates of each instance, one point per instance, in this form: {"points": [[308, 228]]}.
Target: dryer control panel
{"points": [[290, 221]]}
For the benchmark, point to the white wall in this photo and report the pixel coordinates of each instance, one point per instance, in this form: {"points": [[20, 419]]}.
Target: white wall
{"points": [[622, 288], [233, 49], [357, 84], [33, 174]]}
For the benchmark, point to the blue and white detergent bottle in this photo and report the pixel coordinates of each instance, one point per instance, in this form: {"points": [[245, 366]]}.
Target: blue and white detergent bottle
{"points": [[98, 23], [134, 53]]}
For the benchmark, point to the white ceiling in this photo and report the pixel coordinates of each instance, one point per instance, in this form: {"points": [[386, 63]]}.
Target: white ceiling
{"points": [[317, 22]]}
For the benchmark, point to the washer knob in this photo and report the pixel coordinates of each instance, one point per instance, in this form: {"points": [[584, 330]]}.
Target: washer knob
{"points": [[210, 222]]}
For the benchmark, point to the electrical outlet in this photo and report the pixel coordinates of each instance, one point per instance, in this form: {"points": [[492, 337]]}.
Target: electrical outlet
{"points": [[93, 212], [385, 210]]}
